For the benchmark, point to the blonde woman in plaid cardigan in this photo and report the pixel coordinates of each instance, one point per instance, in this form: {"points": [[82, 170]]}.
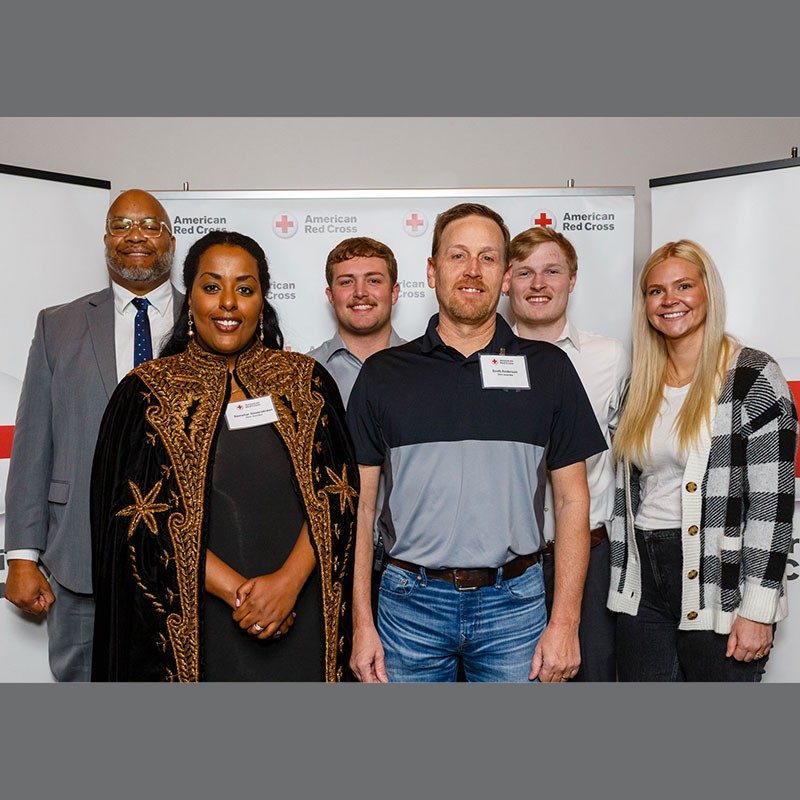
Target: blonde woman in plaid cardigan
{"points": [[704, 498]]}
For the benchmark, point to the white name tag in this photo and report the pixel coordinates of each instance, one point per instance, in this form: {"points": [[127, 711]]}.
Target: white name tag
{"points": [[504, 372], [250, 413]]}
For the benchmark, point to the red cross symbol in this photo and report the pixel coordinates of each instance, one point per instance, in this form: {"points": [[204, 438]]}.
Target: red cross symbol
{"points": [[284, 223], [6, 438], [543, 220], [415, 222], [494, 361]]}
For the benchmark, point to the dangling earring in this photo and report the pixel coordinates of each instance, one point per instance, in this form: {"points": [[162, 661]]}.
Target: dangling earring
{"points": [[261, 326], [191, 324]]}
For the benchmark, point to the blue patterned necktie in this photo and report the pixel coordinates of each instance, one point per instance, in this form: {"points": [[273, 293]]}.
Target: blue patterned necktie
{"points": [[142, 341]]}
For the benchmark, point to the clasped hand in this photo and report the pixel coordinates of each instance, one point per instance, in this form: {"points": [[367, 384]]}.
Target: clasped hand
{"points": [[263, 605]]}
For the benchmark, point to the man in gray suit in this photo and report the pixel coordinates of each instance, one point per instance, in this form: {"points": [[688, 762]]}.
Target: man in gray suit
{"points": [[79, 352]]}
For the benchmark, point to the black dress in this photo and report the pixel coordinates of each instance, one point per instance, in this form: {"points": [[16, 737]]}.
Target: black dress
{"points": [[255, 516]]}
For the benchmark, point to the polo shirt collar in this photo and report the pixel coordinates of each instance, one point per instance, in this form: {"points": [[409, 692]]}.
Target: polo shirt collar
{"points": [[503, 337]]}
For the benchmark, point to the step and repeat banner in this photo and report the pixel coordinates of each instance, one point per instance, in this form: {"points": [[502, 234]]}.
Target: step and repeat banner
{"points": [[298, 229], [746, 217], [52, 231]]}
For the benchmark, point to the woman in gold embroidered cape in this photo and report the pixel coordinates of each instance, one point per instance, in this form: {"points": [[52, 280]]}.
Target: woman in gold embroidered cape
{"points": [[152, 482]]}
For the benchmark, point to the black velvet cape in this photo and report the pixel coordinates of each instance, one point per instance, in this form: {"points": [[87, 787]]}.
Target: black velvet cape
{"points": [[151, 480]]}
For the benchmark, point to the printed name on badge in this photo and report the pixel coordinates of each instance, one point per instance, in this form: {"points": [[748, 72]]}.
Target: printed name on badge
{"points": [[250, 413], [504, 372]]}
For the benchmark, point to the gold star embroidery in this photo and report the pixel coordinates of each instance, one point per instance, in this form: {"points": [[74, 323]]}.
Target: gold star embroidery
{"points": [[341, 487], [143, 508]]}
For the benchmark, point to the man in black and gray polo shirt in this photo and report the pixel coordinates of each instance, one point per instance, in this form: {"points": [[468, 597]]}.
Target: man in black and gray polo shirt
{"points": [[466, 420]]}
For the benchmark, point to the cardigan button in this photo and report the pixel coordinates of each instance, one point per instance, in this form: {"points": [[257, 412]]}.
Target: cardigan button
{"points": [[691, 486], [691, 615], [692, 574], [693, 529]]}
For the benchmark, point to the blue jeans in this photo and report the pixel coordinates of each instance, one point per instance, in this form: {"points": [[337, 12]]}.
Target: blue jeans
{"points": [[650, 647], [428, 627]]}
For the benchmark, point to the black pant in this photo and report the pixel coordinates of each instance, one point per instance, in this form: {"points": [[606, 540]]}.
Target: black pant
{"points": [[597, 632], [650, 647]]}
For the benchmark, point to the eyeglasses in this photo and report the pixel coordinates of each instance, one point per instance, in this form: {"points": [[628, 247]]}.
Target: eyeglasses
{"points": [[149, 227]]}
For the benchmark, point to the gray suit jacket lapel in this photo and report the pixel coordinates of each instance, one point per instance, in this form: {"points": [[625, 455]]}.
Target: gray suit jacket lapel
{"points": [[100, 318], [177, 302]]}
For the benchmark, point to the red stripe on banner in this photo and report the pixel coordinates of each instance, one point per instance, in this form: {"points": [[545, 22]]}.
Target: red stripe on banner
{"points": [[6, 438], [795, 387]]}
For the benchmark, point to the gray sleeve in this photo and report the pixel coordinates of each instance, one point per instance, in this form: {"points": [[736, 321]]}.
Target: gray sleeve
{"points": [[32, 452]]}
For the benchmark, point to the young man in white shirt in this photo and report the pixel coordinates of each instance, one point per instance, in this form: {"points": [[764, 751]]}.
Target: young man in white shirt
{"points": [[544, 269]]}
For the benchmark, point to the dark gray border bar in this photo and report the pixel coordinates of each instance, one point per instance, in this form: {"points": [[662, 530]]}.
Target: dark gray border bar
{"points": [[61, 177], [764, 166]]}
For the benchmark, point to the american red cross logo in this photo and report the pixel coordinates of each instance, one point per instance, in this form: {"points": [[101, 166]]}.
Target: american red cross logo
{"points": [[543, 220], [494, 361], [414, 222], [284, 223]]}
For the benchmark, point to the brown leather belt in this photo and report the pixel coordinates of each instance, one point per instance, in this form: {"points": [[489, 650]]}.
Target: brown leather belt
{"points": [[596, 535], [467, 579]]}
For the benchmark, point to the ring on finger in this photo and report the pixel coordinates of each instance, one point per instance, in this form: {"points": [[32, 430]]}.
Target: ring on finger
{"points": [[258, 627]]}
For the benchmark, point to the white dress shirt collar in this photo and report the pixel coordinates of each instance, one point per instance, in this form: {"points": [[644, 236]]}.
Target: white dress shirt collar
{"points": [[160, 298]]}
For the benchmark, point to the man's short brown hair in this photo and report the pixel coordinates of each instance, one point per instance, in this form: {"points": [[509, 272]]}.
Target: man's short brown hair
{"points": [[361, 247], [523, 244], [468, 210]]}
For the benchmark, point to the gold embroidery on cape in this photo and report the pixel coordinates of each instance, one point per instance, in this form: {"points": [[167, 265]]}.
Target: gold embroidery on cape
{"points": [[189, 383], [138, 578], [195, 381], [289, 375], [143, 508], [342, 488]]}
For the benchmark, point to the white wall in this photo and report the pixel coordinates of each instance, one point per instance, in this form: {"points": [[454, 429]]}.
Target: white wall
{"points": [[325, 153]]}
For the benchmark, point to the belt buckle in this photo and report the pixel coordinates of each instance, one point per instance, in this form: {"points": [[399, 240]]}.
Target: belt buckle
{"points": [[460, 575]]}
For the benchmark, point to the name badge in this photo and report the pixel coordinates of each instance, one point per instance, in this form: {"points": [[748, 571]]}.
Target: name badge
{"points": [[504, 372], [250, 413]]}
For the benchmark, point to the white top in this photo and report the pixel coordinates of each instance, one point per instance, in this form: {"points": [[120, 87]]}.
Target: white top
{"points": [[604, 367], [662, 473], [161, 318]]}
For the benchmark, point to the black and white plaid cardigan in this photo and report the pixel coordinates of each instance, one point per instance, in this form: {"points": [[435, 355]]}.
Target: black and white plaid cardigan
{"points": [[737, 506]]}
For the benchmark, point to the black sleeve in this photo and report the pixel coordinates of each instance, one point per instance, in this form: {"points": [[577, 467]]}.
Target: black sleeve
{"points": [[363, 419], [575, 434], [118, 455]]}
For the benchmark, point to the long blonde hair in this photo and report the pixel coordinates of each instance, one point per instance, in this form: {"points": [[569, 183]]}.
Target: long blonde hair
{"points": [[649, 370]]}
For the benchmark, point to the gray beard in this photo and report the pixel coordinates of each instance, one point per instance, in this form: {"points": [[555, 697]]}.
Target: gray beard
{"points": [[161, 266]]}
